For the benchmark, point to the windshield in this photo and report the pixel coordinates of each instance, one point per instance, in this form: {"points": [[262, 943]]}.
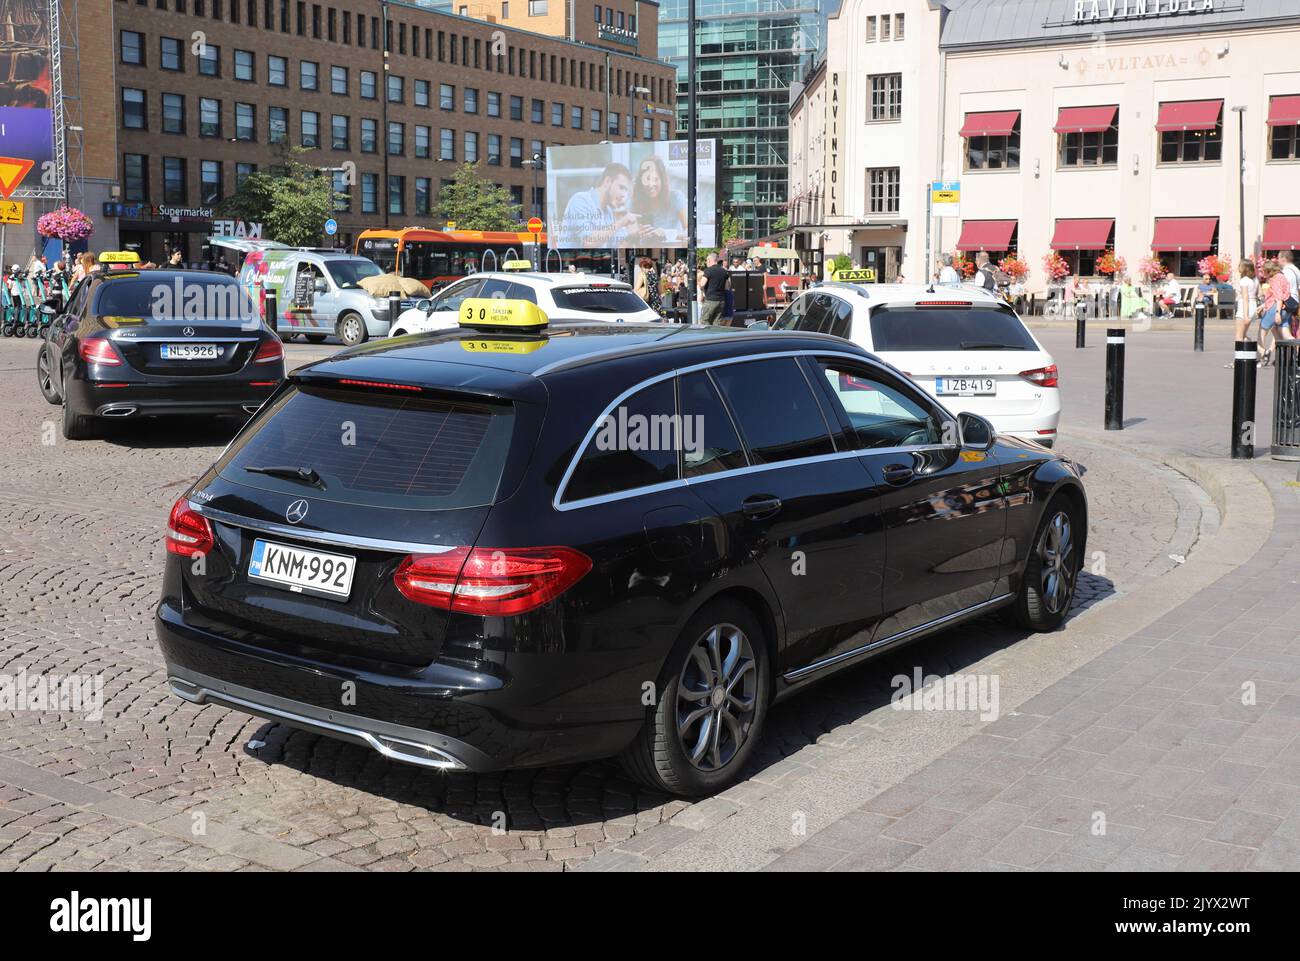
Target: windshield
{"points": [[176, 299], [948, 328], [599, 300], [347, 273]]}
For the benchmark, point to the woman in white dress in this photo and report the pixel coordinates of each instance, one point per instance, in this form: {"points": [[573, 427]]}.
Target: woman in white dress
{"points": [[1247, 301]]}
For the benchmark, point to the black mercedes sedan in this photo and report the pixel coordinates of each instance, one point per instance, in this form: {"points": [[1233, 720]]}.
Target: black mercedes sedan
{"points": [[134, 343], [506, 546]]}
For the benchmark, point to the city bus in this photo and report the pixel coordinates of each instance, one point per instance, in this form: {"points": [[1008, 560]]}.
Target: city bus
{"points": [[437, 257]]}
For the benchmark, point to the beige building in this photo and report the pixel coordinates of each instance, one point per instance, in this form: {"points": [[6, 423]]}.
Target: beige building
{"points": [[1167, 127]]}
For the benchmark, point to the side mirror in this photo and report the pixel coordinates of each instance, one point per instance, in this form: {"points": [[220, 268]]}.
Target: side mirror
{"points": [[424, 304], [976, 432], [322, 287]]}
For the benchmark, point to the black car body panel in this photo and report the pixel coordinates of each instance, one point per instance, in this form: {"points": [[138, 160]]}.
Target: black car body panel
{"points": [[845, 564]]}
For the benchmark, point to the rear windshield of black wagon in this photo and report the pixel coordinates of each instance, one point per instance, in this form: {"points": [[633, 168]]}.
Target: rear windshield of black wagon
{"points": [[378, 448]]}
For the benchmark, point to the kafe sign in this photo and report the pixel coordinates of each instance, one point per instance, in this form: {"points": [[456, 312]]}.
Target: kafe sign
{"points": [[1099, 11], [237, 228]]}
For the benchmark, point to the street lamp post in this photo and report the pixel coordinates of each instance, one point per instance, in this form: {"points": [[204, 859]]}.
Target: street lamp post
{"points": [[536, 162], [1240, 111]]}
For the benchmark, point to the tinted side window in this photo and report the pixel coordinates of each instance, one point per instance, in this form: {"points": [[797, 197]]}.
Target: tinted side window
{"points": [[880, 414], [709, 441], [635, 445], [521, 292], [841, 316], [776, 410], [806, 313], [453, 296]]}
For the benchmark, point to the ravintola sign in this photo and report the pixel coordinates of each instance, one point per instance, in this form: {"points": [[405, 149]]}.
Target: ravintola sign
{"points": [[1097, 11]]}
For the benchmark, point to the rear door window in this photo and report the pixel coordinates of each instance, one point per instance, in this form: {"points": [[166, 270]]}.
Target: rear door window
{"points": [[635, 445], [375, 449], [709, 439], [778, 415], [454, 295], [977, 327]]}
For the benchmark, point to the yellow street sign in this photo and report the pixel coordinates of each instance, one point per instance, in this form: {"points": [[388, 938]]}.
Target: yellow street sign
{"points": [[11, 212], [945, 196]]}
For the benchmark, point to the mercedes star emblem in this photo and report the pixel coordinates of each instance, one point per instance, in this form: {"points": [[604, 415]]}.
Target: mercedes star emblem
{"points": [[296, 512], [188, 331]]}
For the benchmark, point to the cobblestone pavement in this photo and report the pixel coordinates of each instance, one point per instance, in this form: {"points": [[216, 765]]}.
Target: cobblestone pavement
{"points": [[161, 784]]}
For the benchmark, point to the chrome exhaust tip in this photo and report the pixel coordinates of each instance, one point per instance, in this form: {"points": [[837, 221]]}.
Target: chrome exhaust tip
{"points": [[119, 412], [252, 408]]}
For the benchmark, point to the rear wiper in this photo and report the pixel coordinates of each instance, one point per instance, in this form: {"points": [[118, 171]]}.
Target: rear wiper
{"points": [[303, 475], [981, 345]]}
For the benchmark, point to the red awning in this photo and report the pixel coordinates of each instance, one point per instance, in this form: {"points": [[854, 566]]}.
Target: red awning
{"points": [[986, 234], [1185, 233], [1085, 119], [997, 123], [1189, 115], [1284, 111], [1082, 234], [1281, 233]]}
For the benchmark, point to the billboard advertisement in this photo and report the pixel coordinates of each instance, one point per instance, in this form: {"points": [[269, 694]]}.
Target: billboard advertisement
{"points": [[26, 104], [621, 195]]}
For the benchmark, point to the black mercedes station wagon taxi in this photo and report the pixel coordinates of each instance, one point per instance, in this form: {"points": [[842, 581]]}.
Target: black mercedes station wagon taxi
{"points": [[510, 545]]}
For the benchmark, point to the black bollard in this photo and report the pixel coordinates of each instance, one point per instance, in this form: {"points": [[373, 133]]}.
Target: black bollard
{"points": [[394, 308], [1198, 326], [272, 312], [1244, 364], [1115, 378], [1080, 325]]}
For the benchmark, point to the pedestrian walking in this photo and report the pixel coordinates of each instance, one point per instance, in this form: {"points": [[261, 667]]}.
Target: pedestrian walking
{"points": [[1247, 302], [948, 273], [987, 273], [1276, 291], [714, 283], [1286, 262]]}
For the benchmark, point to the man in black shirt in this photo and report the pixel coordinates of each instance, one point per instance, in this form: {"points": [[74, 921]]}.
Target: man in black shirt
{"points": [[716, 279]]}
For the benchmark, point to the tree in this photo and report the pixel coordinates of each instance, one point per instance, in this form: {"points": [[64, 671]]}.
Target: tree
{"points": [[472, 202], [732, 227], [291, 201], [781, 224]]}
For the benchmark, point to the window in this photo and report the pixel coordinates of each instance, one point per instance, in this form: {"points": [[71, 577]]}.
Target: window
{"points": [[775, 408], [421, 93], [471, 100], [396, 194], [898, 26], [886, 96], [342, 196], [370, 193], [244, 65], [308, 75], [310, 122], [369, 135], [516, 152], [340, 132], [209, 117], [877, 412], [595, 120], [209, 61], [173, 113], [171, 57], [1191, 146], [242, 172], [471, 147], [613, 122], [494, 104], [647, 128], [277, 125], [339, 81], [133, 108], [598, 13], [871, 29], [132, 46], [396, 91], [663, 129], [557, 115], [1090, 148], [882, 190], [209, 182], [539, 108], [174, 188], [369, 85], [423, 188], [537, 8], [494, 150], [1283, 141], [884, 27], [994, 152], [422, 134], [816, 313], [245, 121], [135, 177], [277, 70], [926, 328], [634, 446], [446, 96], [396, 138], [575, 118], [446, 144], [712, 444], [516, 108]]}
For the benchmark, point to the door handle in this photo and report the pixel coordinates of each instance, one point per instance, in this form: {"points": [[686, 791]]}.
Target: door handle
{"points": [[898, 474], [760, 506]]}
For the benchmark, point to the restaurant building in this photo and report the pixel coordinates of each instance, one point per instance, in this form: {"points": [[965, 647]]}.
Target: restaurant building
{"points": [[1165, 128], [387, 98]]}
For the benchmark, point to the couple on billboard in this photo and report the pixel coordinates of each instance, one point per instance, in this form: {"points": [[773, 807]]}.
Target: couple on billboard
{"points": [[621, 210]]}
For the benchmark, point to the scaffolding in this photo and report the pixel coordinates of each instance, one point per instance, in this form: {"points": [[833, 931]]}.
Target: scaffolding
{"points": [[52, 183]]}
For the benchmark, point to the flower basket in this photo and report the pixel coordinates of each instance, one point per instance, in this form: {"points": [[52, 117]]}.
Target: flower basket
{"points": [[1110, 265], [1218, 267], [1014, 267], [1152, 270], [963, 266], [65, 223], [1055, 266]]}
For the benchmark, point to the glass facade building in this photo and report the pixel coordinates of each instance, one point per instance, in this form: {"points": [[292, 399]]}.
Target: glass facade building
{"points": [[748, 54]]}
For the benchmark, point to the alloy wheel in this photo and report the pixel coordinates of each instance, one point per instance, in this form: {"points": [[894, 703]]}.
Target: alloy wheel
{"points": [[1057, 566], [717, 693]]}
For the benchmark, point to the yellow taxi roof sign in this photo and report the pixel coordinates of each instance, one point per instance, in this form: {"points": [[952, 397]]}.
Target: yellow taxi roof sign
{"points": [[119, 257], [865, 274], [517, 265], [500, 313]]}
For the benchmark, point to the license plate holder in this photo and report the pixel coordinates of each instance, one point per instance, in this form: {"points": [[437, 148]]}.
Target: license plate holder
{"points": [[965, 386], [190, 352], [302, 570]]}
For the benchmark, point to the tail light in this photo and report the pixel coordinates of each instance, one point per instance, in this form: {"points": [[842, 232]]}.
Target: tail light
{"points": [[188, 532], [1042, 376], [100, 352], [489, 581], [268, 352]]}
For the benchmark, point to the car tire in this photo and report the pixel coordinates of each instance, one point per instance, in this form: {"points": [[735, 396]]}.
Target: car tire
{"points": [[1051, 573], [351, 329], [722, 648], [315, 338], [45, 376], [77, 426]]}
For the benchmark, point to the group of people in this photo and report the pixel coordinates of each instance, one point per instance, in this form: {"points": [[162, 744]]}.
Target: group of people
{"points": [[1268, 296]]}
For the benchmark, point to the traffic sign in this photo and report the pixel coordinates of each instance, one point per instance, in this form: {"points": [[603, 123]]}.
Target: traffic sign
{"points": [[12, 172], [11, 212], [331, 227], [945, 198], [535, 225]]}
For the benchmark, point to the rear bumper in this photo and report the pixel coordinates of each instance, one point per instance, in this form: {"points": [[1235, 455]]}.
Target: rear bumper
{"points": [[166, 398], [448, 716]]}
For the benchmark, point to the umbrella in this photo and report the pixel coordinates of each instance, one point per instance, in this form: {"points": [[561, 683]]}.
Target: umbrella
{"points": [[384, 285]]}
